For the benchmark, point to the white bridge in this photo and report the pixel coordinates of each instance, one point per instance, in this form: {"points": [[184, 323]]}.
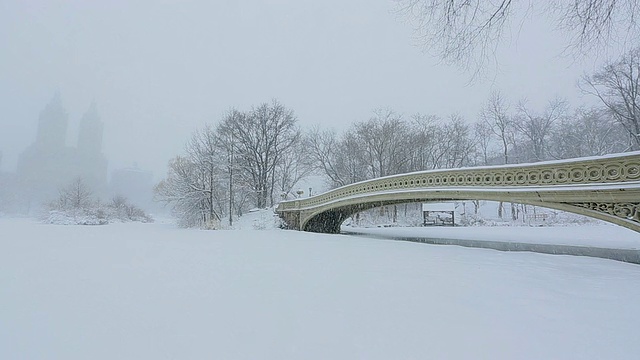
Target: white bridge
{"points": [[606, 188]]}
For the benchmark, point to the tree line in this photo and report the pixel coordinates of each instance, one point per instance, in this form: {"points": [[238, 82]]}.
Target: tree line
{"points": [[255, 158]]}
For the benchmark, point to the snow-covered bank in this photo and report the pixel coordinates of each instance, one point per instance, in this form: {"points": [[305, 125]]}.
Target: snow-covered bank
{"points": [[152, 291]]}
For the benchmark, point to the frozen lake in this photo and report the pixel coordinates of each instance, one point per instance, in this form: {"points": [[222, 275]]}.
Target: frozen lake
{"points": [[152, 291]]}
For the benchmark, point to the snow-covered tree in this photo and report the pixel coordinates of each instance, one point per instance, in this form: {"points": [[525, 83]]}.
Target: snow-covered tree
{"points": [[74, 196], [193, 184]]}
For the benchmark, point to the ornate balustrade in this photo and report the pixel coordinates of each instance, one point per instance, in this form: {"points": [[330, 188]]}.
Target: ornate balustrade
{"points": [[575, 175]]}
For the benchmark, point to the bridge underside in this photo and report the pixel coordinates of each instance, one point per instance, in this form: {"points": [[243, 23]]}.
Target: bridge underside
{"points": [[618, 205], [330, 221]]}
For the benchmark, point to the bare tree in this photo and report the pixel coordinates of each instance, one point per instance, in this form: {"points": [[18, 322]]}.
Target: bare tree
{"points": [[423, 142], [617, 85], [385, 145], [382, 138], [537, 127], [589, 132], [468, 32], [341, 158], [495, 114], [324, 148], [456, 29], [293, 166], [483, 138], [229, 147], [262, 136], [350, 159], [592, 24], [456, 143]]}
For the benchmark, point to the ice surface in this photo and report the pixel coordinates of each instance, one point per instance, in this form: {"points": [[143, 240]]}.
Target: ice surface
{"points": [[152, 291], [601, 236]]}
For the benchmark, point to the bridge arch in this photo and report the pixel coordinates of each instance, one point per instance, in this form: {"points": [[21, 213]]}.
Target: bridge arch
{"points": [[329, 220], [606, 188]]}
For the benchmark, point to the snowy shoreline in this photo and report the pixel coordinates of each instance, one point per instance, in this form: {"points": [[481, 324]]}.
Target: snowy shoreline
{"points": [[626, 252]]}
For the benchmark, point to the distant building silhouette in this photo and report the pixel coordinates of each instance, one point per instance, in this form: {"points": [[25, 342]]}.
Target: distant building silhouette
{"points": [[48, 164], [90, 133], [92, 165], [52, 126]]}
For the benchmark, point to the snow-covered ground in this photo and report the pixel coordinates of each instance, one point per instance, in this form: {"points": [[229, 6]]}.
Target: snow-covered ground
{"points": [[153, 291]]}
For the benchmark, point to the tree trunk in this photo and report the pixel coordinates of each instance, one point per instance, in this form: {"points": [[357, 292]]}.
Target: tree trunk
{"points": [[230, 195]]}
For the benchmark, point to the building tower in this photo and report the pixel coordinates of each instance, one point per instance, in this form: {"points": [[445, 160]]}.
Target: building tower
{"points": [[90, 132], [90, 163], [52, 126]]}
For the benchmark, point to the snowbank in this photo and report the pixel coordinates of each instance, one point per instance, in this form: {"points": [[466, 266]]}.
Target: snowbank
{"points": [[67, 218], [255, 219]]}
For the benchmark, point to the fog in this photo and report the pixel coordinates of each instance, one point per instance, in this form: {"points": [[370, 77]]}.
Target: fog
{"points": [[158, 70]]}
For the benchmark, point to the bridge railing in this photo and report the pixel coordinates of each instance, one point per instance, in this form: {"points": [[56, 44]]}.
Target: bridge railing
{"points": [[616, 168]]}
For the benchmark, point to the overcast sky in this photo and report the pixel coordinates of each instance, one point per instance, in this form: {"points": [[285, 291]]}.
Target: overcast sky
{"points": [[157, 70]]}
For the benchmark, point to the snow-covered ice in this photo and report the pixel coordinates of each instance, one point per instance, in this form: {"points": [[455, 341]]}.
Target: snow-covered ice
{"points": [[152, 291], [600, 236]]}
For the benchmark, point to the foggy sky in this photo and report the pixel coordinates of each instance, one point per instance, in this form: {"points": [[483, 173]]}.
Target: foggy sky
{"points": [[159, 69]]}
